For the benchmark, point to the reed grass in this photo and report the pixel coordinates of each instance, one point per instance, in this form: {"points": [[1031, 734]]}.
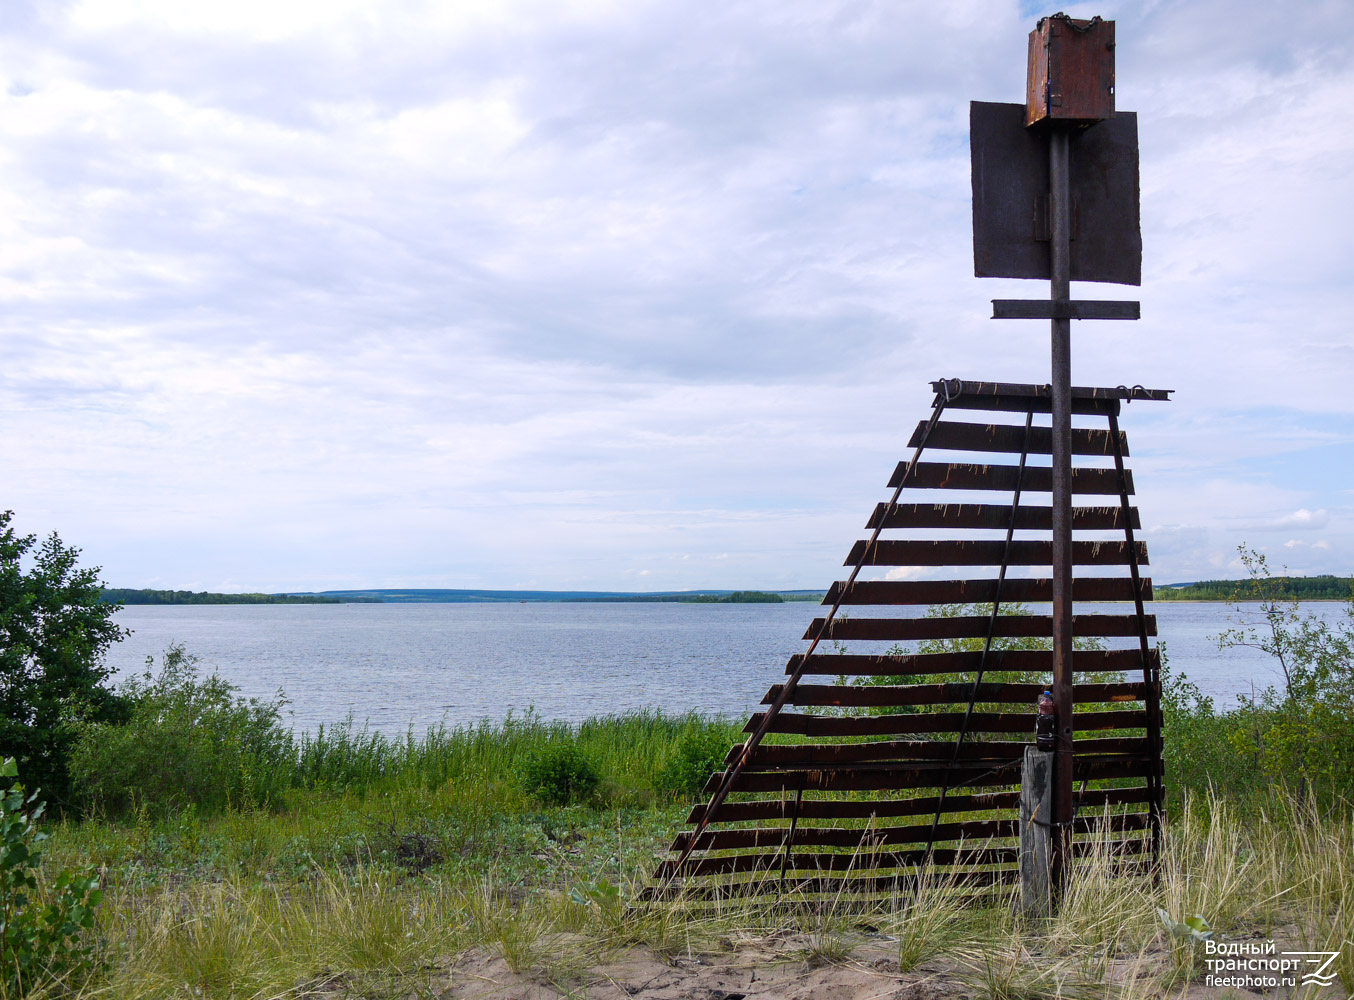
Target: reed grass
{"points": [[391, 857]]}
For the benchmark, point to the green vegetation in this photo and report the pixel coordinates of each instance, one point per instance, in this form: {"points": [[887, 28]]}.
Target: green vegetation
{"points": [[187, 741], [372, 866], [54, 632], [41, 939], [397, 867], [737, 597], [429, 596], [122, 595], [559, 774], [240, 860], [1297, 588], [1299, 737], [698, 752]]}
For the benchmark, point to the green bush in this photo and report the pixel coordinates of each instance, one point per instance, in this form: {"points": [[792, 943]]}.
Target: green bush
{"points": [[559, 773], [54, 633], [189, 741], [1297, 738], [698, 752], [38, 942]]}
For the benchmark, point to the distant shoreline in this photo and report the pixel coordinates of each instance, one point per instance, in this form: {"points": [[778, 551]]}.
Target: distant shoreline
{"points": [[1320, 589], [142, 597]]}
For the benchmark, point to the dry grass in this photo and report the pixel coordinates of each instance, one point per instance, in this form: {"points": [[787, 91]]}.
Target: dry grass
{"points": [[368, 932]]}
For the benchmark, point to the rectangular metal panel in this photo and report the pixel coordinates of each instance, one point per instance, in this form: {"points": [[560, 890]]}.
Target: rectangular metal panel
{"points": [[1010, 190]]}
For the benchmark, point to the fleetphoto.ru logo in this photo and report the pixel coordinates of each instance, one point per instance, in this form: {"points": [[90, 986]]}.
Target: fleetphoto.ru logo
{"points": [[1251, 965], [1323, 960]]}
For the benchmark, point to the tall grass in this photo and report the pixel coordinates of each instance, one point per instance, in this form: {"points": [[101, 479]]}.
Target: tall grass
{"points": [[629, 750]]}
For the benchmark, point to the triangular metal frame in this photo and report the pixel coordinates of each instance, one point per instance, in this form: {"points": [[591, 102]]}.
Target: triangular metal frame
{"points": [[805, 810]]}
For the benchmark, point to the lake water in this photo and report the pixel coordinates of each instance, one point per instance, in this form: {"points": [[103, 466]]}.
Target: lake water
{"points": [[400, 665]]}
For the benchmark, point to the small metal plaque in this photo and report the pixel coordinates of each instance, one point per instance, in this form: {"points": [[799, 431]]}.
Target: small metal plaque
{"points": [[1010, 189], [1076, 309]]}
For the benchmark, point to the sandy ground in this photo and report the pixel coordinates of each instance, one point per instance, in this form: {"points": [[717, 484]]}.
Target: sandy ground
{"points": [[770, 968], [763, 969]]}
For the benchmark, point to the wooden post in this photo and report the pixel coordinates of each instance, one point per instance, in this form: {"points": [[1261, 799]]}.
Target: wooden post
{"points": [[1036, 812]]}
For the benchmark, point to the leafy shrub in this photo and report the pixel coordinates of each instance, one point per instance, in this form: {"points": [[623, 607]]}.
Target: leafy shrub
{"points": [[53, 635], [189, 741], [1299, 737], [698, 752], [37, 941], [559, 773]]}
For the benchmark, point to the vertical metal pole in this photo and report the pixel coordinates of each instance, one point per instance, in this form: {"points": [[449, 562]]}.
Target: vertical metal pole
{"points": [[1060, 292]]}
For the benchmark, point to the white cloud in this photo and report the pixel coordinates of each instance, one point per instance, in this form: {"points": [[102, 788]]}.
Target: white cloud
{"points": [[496, 294]]}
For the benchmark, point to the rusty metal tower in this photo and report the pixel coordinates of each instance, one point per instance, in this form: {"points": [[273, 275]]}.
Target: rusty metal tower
{"points": [[1055, 197]]}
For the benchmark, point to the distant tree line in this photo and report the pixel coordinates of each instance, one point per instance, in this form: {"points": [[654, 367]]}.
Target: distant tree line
{"points": [[1304, 588], [122, 595], [737, 597]]}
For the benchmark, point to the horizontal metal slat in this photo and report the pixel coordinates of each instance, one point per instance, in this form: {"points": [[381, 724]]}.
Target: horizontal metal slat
{"points": [[883, 665], [875, 860], [955, 388], [732, 864], [934, 722], [881, 696], [869, 838], [1020, 404], [995, 516], [987, 552], [1010, 438], [864, 837], [1122, 309], [974, 627], [963, 886], [1035, 479], [926, 805], [864, 777], [1024, 591], [808, 755]]}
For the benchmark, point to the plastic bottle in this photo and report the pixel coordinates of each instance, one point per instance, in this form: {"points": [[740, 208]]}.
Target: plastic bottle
{"points": [[1045, 723]]}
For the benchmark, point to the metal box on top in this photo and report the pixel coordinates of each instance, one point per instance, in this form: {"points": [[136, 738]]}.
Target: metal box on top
{"points": [[1071, 71]]}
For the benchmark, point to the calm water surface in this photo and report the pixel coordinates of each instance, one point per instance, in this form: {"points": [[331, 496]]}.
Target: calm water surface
{"points": [[397, 665]]}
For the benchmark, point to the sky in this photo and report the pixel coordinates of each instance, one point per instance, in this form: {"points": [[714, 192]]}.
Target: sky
{"points": [[627, 295]]}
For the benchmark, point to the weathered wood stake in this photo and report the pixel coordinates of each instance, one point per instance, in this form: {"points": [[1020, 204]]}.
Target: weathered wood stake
{"points": [[1036, 812]]}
